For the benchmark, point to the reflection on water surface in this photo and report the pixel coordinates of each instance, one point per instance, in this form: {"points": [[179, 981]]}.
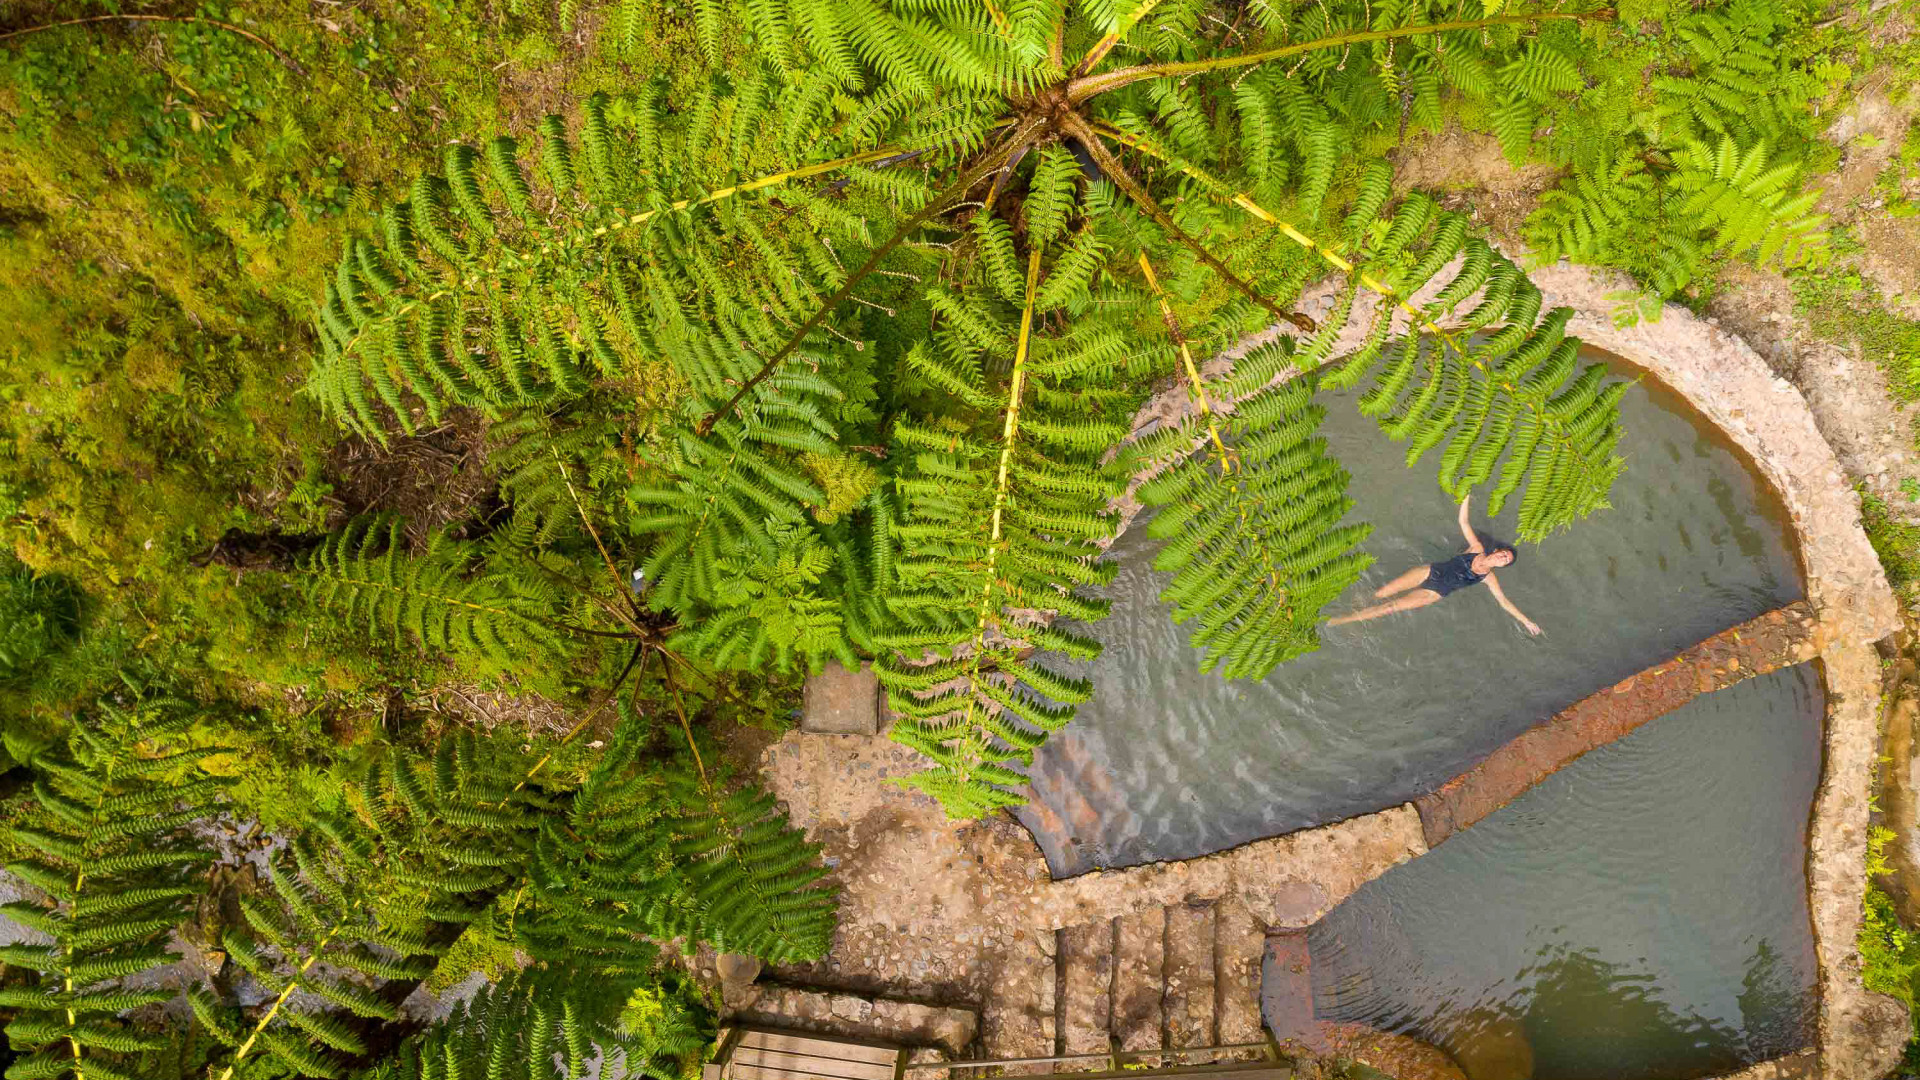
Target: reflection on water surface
{"points": [[1167, 763], [1640, 915]]}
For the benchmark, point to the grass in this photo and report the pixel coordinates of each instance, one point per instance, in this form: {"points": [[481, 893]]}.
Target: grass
{"points": [[1894, 540], [1844, 307], [1889, 951]]}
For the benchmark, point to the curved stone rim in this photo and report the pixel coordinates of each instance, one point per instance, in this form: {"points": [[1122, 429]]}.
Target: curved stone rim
{"points": [[1722, 377]]}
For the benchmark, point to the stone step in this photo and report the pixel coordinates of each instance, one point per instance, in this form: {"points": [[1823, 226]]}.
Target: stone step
{"points": [[1139, 975], [1190, 985], [1018, 1020], [1086, 988], [829, 1011], [1239, 938]]}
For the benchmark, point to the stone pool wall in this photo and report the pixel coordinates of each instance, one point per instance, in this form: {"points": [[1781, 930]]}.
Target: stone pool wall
{"points": [[1860, 1033], [1728, 383]]}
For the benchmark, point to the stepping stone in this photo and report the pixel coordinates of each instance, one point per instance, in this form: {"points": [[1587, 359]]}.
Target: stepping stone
{"points": [[1286, 992], [1190, 976], [1140, 965], [842, 702]]}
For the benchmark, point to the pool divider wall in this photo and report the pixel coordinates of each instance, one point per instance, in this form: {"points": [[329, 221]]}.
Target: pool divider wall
{"points": [[1778, 639]]}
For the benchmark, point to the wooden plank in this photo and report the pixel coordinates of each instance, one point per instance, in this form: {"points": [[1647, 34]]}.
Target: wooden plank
{"points": [[812, 1064], [806, 1042], [741, 1070], [827, 1052]]}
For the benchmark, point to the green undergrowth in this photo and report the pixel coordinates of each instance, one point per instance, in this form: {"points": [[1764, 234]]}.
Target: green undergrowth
{"points": [[1889, 950], [1895, 540], [1846, 308], [1691, 143], [166, 190]]}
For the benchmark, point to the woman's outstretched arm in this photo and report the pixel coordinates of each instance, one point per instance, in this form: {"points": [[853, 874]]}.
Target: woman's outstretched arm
{"points": [[1494, 584], [1466, 530]]}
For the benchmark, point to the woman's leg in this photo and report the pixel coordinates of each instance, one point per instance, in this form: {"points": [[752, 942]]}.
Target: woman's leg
{"points": [[1418, 598], [1404, 582]]}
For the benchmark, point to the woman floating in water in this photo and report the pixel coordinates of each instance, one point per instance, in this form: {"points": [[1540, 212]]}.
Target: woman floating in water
{"points": [[1435, 580]]}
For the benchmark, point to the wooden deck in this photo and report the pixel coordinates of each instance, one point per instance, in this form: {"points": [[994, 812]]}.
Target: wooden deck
{"points": [[754, 1053]]}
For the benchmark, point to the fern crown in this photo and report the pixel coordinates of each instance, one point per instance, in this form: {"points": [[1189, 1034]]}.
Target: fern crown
{"points": [[896, 285]]}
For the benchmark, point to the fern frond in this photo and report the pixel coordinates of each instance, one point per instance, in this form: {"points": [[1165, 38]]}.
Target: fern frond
{"points": [[363, 575], [120, 794]]}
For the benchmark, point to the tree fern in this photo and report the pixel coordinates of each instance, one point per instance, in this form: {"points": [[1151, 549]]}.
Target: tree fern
{"points": [[773, 610], [749, 877], [1252, 529], [363, 903], [1709, 163], [1751, 208], [116, 870], [1730, 201], [1497, 389], [644, 854], [550, 469], [996, 536], [536, 1025], [600, 875], [872, 252]]}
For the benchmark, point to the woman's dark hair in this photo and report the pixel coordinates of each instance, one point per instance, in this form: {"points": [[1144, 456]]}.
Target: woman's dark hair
{"points": [[1492, 546]]}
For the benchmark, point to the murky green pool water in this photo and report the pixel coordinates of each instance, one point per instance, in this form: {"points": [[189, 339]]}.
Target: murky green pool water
{"points": [[1167, 763], [1640, 915]]}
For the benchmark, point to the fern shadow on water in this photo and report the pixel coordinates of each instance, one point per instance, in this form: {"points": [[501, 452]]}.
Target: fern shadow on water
{"points": [[1170, 763], [1641, 914]]}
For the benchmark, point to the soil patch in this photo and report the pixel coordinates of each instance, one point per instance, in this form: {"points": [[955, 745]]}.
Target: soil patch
{"points": [[434, 480]]}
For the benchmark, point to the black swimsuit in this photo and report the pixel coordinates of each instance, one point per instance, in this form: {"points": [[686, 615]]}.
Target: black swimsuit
{"points": [[1455, 573]]}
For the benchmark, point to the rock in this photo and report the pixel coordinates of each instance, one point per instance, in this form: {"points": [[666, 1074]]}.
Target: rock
{"points": [[1398, 1056], [737, 970], [850, 1008], [1900, 801], [842, 702], [926, 1055], [1298, 903]]}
